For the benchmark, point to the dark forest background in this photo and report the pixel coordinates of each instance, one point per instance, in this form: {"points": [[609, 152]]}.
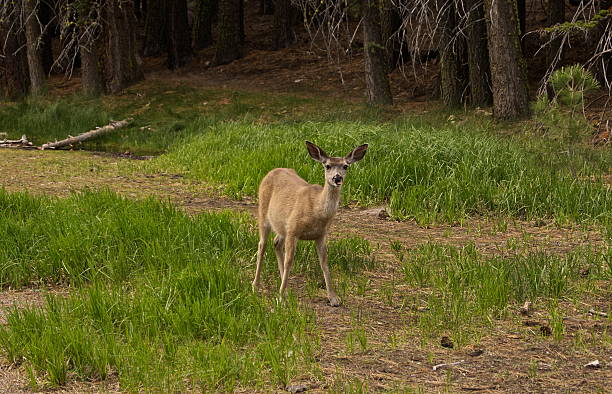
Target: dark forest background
{"points": [[480, 53]]}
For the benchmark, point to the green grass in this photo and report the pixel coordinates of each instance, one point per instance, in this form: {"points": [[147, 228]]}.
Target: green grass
{"points": [[161, 300], [42, 122], [429, 173], [468, 291], [429, 167], [164, 115]]}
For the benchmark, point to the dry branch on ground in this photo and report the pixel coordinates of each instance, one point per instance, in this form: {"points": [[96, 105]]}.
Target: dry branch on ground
{"points": [[113, 125]]}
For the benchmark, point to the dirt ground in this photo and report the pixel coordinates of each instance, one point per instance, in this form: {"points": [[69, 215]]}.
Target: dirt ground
{"points": [[512, 357]]}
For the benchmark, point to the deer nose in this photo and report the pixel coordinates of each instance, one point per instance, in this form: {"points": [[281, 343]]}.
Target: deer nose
{"points": [[337, 179]]}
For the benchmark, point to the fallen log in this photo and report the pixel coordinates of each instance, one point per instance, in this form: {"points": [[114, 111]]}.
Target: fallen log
{"points": [[20, 143], [112, 126]]}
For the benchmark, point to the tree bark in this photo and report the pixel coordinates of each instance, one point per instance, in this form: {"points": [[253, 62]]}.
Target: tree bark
{"points": [[241, 21], [14, 77], [555, 13], [452, 56], [46, 15], [203, 29], [391, 22], [284, 23], [89, 47], [122, 65], [228, 40], [521, 7], [91, 75], [378, 90], [156, 33], [508, 68], [478, 56], [34, 50], [179, 39], [266, 7]]}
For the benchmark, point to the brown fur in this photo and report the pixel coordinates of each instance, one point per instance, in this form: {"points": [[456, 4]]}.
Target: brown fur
{"points": [[297, 210]]}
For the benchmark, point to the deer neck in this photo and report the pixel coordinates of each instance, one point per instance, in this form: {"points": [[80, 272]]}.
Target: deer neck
{"points": [[329, 201]]}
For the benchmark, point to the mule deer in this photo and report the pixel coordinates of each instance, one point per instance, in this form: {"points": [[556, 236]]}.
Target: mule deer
{"points": [[297, 210]]}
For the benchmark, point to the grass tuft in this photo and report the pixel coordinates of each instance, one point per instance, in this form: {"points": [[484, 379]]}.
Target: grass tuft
{"points": [[468, 290]]}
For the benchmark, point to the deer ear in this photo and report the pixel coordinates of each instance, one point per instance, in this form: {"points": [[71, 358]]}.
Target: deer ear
{"points": [[315, 152], [357, 154]]}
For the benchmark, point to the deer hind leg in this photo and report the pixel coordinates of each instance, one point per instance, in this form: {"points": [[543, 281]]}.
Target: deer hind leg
{"points": [[290, 242], [264, 231], [279, 249], [322, 252]]}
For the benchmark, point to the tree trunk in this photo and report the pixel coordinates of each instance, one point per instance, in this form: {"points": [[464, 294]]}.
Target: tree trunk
{"points": [[452, 56], [391, 22], [378, 90], [34, 50], [521, 7], [284, 23], [46, 15], [478, 56], [203, 29], [241, 18], [91, 75], [122, 67], [508, 74], [555, 13], [266, 7], [156, 33], [179, 39], [89, 47], [228, 40], [14, 78]]}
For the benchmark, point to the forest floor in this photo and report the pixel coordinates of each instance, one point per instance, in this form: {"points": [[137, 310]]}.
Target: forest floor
{"points": [[512, 356]]}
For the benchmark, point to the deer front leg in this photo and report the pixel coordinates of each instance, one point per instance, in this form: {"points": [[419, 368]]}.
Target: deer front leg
{"points": [[322, 252], [264, 231], [290, 242]]}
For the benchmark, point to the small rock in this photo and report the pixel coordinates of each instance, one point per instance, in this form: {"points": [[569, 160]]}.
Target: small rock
{"points": [[539, 223], [297, 388], [446, 342], [526, 308], [546, 331], [383, 214], [475, 352], [593, 364]]}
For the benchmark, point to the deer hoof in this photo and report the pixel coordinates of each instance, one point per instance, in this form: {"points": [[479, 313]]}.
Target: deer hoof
{"points": [[334, 301]]}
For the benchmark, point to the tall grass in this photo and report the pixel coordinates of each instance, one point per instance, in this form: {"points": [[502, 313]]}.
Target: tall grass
{"points": [[163, 300], [425, 167], [42, 122], [467, 289], [424, 172], [163, 115]]}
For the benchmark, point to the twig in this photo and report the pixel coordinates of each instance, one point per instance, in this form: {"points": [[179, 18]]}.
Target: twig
{"points": [[446, 365], [598, 313]]}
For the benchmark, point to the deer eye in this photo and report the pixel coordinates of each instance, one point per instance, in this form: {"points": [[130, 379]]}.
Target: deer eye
{"points": [[345, 166], [328, 167]]}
